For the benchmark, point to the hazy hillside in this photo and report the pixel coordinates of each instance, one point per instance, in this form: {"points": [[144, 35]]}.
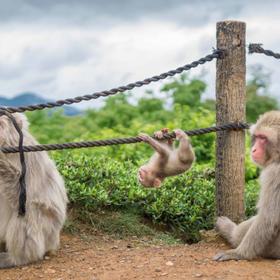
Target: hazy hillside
{"points": [[29, 98]]}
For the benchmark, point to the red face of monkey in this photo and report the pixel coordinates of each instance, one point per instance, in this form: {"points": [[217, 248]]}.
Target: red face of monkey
{"points": [[265, 139], [259, 152]]}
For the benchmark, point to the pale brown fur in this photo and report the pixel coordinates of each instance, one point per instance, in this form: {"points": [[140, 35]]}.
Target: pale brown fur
{"points": [[167, 160], [260, 235], [26, 239]]}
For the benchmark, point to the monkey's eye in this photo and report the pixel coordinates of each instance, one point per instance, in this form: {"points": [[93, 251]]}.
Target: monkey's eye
{"points": [[261, 137]]}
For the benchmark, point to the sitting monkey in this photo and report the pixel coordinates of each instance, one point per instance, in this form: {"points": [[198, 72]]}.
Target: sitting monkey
{"points": [[259, 236], [167, 160]]}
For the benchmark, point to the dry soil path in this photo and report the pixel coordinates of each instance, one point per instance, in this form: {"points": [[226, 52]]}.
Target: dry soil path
{"points": [[106, 259]]}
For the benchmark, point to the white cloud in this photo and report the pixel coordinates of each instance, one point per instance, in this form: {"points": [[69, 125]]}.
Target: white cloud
{"points": [[60, 58]]}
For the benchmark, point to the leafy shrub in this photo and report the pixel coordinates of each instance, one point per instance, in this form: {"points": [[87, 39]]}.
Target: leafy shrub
{"points": [[105, 177], [251, 197]]}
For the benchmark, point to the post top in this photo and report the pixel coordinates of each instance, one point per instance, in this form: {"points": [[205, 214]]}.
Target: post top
{"points": [[228, 21]]}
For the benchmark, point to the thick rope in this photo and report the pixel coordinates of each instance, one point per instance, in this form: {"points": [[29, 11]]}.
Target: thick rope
{"points": [[117, 141], [68, 101], [22, 185], [257, 48]]}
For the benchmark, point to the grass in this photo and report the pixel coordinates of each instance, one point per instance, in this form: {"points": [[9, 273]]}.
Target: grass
{"points": [[125, 224]]}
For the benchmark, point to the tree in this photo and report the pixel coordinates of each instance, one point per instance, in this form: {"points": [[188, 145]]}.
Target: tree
{"points": [[258, 100], [185, 91]]}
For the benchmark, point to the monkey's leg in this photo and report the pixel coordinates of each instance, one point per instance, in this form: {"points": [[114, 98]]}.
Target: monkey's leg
{"points": [[240, 231], [273, 250], [52, 243], [184, 151], [231, 232], [25, 239]]}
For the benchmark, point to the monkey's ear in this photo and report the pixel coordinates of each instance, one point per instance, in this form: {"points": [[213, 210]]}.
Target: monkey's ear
{"points": [[157, 183], [21, 120]]}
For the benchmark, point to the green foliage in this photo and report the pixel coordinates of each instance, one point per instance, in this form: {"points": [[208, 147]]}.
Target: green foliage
{"points": [[251, 197], [185, 91], [257, 97], [104, 179], [184, 204]]}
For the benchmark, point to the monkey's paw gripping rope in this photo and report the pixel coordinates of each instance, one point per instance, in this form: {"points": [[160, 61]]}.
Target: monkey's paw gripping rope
{"points": [[257, 48]]}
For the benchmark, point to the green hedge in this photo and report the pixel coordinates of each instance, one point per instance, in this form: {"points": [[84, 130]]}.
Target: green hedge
{"points": [[184, 204]]}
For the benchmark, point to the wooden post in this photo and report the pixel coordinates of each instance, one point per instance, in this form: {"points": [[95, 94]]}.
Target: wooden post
{"points": [[230, 107]]}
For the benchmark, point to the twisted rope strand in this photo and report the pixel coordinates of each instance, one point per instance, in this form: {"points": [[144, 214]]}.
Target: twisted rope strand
{"points": [[257, 48], [118, 141], [68, 101]]}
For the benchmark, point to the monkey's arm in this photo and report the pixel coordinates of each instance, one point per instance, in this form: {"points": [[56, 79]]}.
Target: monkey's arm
{"points": [[157, 146], [263, 230]]}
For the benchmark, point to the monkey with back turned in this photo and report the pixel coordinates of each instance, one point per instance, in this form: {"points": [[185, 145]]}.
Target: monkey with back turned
{"points": [[26, 239]]}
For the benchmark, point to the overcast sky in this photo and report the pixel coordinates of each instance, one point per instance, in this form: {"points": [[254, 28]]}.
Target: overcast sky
{"points": [[66, 48]]}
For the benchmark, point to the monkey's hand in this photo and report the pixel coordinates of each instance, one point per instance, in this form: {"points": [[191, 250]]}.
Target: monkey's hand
{"points": [[165, 130], [180, 134], [158, 134], [145, 137], [227, 256]]}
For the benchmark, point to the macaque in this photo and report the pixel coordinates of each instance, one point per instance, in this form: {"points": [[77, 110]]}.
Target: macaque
{"points": [[260, 235], [167, 160], [26, 239]]}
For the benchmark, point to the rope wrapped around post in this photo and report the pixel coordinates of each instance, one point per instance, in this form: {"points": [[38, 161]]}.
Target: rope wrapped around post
{"points": [[22, 184], [257, 48], [118, 141]]}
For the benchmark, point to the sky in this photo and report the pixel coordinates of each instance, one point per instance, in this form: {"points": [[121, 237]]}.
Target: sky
{"points": [[66, 48]]}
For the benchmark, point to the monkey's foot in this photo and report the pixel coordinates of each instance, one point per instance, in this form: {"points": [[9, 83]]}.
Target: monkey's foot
{"points": [[227, 256], [179, 134]]}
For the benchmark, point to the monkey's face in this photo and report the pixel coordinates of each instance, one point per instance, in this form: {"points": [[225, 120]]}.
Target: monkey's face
{"points": [[147, 178], [259, 151], [266, 139], [265, 149]]}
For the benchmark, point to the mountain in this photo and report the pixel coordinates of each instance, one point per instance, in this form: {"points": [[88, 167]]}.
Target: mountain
{"points": [[29, 98]]}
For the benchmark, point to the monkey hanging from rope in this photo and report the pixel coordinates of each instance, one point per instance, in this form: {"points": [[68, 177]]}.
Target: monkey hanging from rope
{"points": [[167, 160]]}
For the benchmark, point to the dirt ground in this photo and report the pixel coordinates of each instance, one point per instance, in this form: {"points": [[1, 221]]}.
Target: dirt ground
{"points": [[102, 258]]}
